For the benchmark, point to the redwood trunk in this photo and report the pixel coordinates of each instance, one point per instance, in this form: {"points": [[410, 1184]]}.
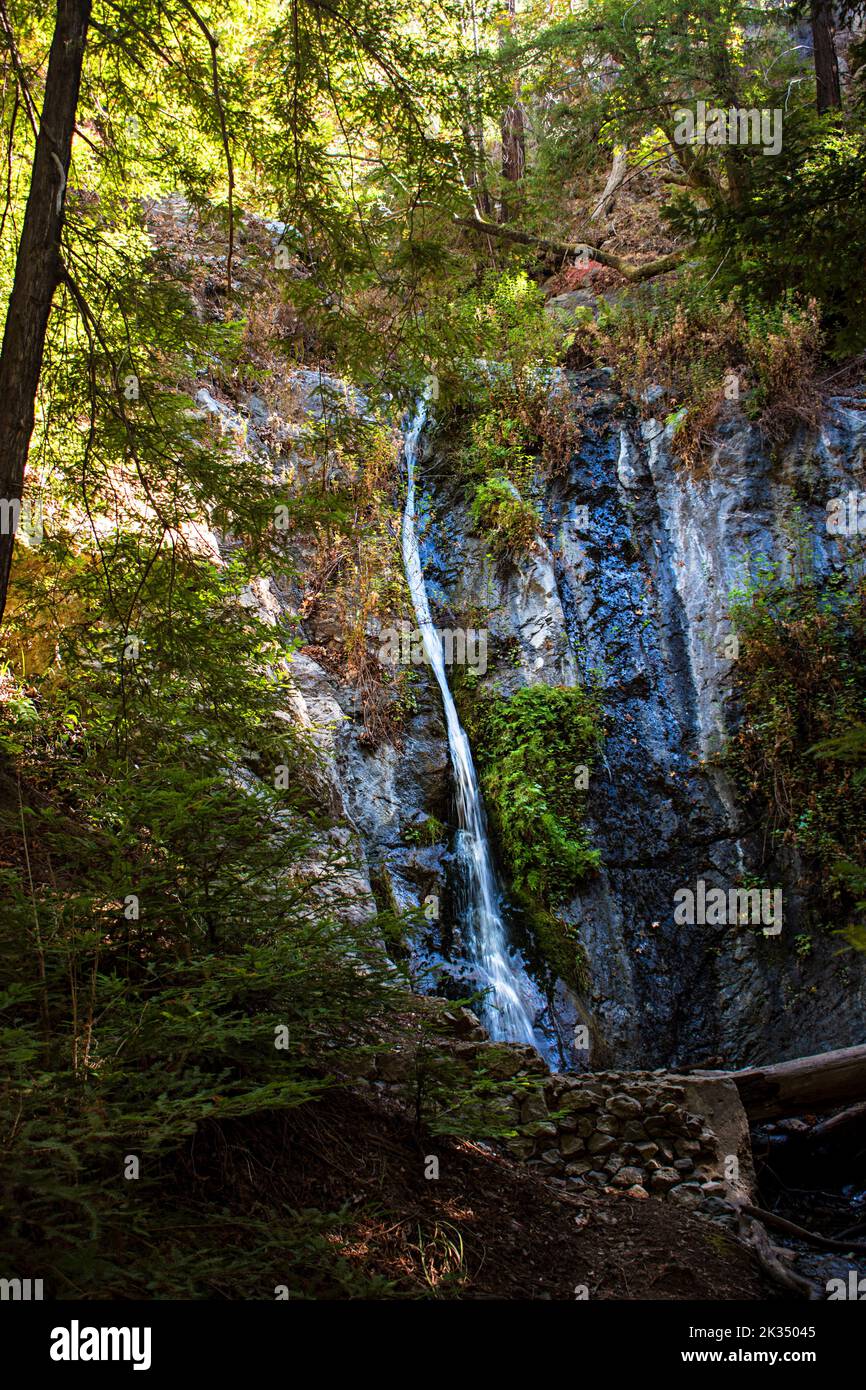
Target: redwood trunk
{"points": [[826, 65], [513, 145], [38, 264], [513, 159]]}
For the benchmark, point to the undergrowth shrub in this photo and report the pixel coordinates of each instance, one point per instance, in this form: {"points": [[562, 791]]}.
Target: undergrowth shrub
{"points": [[510, 523], [801, 681], [705, 350], [353, 570], [176, 951], [505, 423], [800, 229]]}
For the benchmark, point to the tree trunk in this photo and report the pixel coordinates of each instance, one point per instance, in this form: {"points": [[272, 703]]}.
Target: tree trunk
{"points": [[513, 144], [826, 65], [824, 1082], [605, 204], [38, 265], [513, 158], [475, 127]]}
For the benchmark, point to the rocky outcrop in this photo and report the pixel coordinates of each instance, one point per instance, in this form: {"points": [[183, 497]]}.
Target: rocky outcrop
{"points": [[629, 588], [379, 797]]}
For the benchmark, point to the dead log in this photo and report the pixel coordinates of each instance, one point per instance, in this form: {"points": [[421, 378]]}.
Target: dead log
{"points": [[771, 1259], [819, 1083], [852, 1118], [563, 250]]}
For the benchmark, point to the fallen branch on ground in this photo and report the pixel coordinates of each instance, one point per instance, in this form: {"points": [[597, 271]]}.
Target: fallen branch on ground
{"points": [[758, 1241], [790, 1228]]}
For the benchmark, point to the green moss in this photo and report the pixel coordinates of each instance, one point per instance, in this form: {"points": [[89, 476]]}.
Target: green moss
{"points": [[530, 749], [557, 942]]}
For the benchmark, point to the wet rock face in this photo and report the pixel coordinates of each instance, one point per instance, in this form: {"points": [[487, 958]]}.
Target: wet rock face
{"points": [[371, 794], [629, 588]]}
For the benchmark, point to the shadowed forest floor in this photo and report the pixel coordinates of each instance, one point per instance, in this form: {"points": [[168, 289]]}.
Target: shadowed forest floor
{"points": [[487, 1228]]}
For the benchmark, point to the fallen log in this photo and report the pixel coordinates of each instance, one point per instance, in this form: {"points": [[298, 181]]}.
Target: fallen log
{"points": [[631, 272], [770, 1258], [819, 1083], [852, 1118]]}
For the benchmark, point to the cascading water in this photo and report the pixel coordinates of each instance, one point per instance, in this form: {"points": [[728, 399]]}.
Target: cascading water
{"points": [[510, 994]]}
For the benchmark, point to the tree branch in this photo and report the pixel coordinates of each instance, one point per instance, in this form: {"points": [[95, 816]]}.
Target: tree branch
{"points": [[633, 273]]}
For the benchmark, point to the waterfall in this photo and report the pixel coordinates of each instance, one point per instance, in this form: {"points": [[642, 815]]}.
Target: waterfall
{"points": [[510, 995]]}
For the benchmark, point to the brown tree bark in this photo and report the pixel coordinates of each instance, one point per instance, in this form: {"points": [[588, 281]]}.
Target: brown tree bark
{"points": [[513, 158], [513, 144], [826, 64], [38, 264], [563, 249], [823, 1082]]}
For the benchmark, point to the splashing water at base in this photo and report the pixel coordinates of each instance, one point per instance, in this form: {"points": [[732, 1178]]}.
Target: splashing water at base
{"points": [[509, 989]]}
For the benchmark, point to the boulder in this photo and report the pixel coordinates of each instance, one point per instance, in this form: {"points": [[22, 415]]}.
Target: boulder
{"points": [[628, 1177], [664, 1179], [625, 1106]]}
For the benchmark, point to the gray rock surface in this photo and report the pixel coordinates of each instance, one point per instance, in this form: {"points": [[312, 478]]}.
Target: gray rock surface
{"points": [[637, 601]]}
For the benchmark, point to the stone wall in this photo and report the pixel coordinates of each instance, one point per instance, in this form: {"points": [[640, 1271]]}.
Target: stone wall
{"points": [[684, 1138], [642, 1132]]}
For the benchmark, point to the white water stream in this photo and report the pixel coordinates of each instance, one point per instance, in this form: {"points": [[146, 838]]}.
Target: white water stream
{"points": [[505, 1011]]}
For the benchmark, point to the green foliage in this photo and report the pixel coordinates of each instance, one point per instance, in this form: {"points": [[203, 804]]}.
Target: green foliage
{"points": [[760, 225], [499, 446], [503, 424], [799, 230], [664, 58], [529, 749], [160, 926], [449, 1096], [850, 748], [429, 831], [801, 681], [510, 523], [503, 321]]}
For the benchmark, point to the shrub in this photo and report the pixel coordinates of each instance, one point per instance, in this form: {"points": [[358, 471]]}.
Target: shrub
{"points": [[510, 522], [801, 681], [695, 344], [800, 230], [504, 321]]}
